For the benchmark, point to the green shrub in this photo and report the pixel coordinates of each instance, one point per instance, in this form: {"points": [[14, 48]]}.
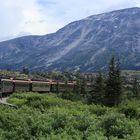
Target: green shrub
{"points": [[117, 125], [45, 116], [130, 109], [16, 101], [98, 110]]}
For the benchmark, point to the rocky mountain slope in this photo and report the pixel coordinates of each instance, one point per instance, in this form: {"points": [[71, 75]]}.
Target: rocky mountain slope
{"points": [[86, 44]]}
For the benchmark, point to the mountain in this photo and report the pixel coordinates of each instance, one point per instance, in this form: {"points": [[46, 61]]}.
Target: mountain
{"points": [[87, 44]]}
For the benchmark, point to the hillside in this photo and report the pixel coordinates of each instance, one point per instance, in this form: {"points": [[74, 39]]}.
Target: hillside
{"points": [[85, 45]]}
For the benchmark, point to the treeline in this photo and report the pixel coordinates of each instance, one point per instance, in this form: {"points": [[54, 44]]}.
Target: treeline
{"points": [[107, 89]]}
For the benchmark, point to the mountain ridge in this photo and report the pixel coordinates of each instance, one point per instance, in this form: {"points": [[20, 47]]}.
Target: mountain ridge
{"points": [[85, 45]]}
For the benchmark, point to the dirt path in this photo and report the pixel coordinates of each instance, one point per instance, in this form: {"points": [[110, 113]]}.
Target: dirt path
{"points": [[4, 102]]}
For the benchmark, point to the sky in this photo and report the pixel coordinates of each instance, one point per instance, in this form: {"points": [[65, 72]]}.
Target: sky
{"points": [[40, 17]]}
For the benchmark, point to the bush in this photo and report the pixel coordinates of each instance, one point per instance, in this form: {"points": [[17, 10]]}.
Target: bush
{"points": [[48, 117], [130, 109], [98, 110], [117, 125]]}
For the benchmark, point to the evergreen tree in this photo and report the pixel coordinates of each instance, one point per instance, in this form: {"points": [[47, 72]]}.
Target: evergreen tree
{"points": [[66, 86], [25, 70], [113, 84], [83, 86], [66, 94], [135, 88], [97, 92], [77, 88]]}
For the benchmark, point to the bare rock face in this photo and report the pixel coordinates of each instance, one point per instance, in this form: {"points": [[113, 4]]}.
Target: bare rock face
{"points": [[85, 45]]}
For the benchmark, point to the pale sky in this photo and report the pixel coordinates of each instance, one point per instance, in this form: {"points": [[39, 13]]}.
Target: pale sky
{"points": [[40, 17]]}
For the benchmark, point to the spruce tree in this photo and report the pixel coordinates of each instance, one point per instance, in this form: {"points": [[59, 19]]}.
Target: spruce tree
{"points": [[83, 86], [135, 88], [98, 90], [113, 84], [77, 88], [25, 70]]}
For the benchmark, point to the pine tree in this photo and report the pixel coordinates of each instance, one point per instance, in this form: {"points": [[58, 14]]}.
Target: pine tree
{"points": [[77, 88], [98, 90], [135, 88], [83, 86], [25, 70], [113, 84]]}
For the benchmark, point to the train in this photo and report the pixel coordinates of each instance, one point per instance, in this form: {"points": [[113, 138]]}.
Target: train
{"points": [[18, 85]]}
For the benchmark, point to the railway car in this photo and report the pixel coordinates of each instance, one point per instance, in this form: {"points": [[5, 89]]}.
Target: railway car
{"points": [[14, 85], [54, 87], [39, 86], [21, 85], [66, 87], [62, 87], [6, 85]]}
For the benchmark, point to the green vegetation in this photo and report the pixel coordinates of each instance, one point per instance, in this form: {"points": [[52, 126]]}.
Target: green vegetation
{"points": [[48, 117], [136, 88], [14, 74], [113, 89], [97, 92], [131, 73], [106, 109]]}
